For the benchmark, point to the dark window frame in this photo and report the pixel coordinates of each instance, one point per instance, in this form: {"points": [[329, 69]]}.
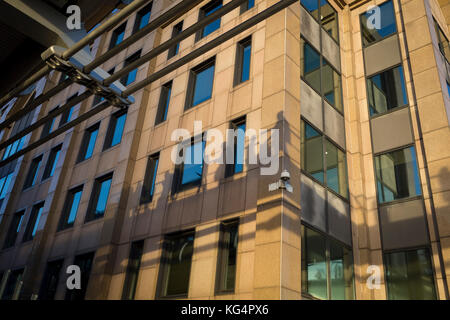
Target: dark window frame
{"points": [[48, 127], [86, 260], [324, 184], [140, 14], [230, 168], [192, 82], [29, 180], [112, 128], [319, 21], [52, 160], [131, 58], [164, 103], [328, 245], [223, 256], [149, 183], [85, 142], [166, 257], [386, 37], [33, 222], [14, 229], [63, 224], [45, 291], [176, 30], [239, 64], [94, 198], [245, 6], [203, 13], [133, 270], [115, 35]]}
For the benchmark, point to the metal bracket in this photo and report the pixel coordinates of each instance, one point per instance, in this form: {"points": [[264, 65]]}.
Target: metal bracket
{"points": [[93, 81]]}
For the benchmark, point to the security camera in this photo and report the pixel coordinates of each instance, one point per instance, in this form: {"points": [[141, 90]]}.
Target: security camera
{"points": [[285, 176]]}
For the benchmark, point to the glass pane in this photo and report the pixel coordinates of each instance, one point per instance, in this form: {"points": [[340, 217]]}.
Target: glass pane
{"points": [[203, 85], [341, 272], [36, 223], [312, 151], [336, 169], [250, 4], [144, 20], [193, 163], [118, 129], [102, 197], [54, 162], [315, 264], [213, 26], [155, 170], [6, 186], [328, 17], [332, 86], [410, 275], [246, 56], [310, 70], [386, 91], [370, 33], [240, 149], [397, 175], [312, 6], [179, 266], [91, 144], [443, 42], [74, 207]]}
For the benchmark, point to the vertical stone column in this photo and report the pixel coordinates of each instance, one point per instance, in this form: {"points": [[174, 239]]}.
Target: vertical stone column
{"points": [[277, 241]]}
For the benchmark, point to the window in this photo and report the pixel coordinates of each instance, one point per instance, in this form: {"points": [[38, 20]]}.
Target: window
{"points": [[370, 34], [200, 85], [327, 14], [99, 198], [33, 222], [115, 129], [176, 264], [210, 8], [88, 142], [443, 41], [70, 209], [14, 229], [226, 272], [48, 126], [409, 275], [327, 267], [143, 17], [312, 152], [131, 76], [247, 5], [320, 75], [67, 115], [448, 89], [177, 29], [13, 285], [336, 169], [386, 91], [117, 36], [4, 186], [85, 262], [50, 280], [63, 78], [397, 175], [134, 263], [310, 70], [164, 101], [148, 188], [189, 173], [51, 162], [237, 163], [243, 58], [33, 172], [313, 155]]}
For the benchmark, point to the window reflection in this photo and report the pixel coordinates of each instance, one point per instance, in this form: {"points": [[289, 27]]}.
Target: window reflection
{"points": [[397, 175], [336, 169], [370, 34], [386, 91], [312, 151]]}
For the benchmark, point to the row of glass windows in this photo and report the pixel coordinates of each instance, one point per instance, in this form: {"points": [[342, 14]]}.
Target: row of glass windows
{"points": [[327, 270], [320, 75], [443, 42], [201, 80]]}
